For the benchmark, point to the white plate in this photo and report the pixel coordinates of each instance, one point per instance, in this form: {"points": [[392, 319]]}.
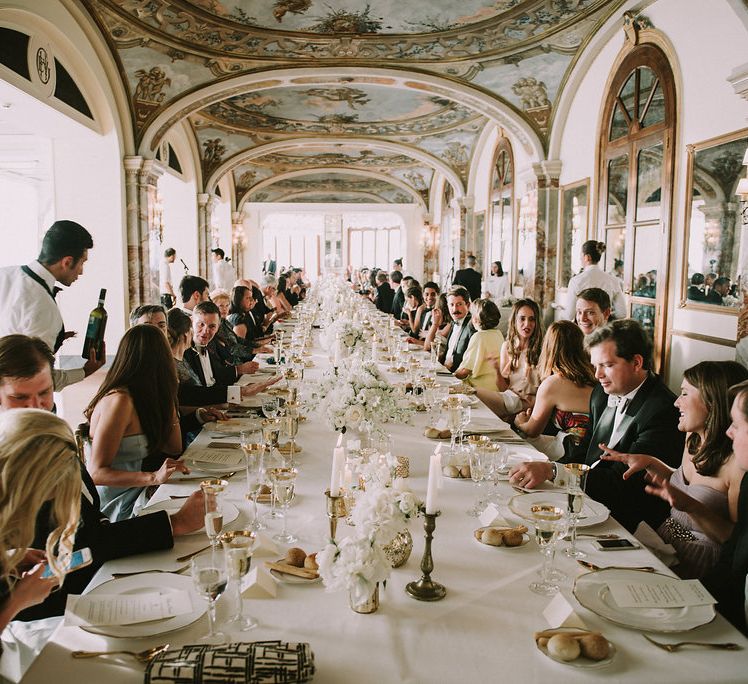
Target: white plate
{"points": [[486, 426], [593, 513], [525, 539], [292, 579], [230, 512], [143, 584], [591, 590], [581, 662]]}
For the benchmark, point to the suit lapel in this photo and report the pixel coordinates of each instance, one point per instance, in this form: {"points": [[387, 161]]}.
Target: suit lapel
{"points": [[193, 359]]}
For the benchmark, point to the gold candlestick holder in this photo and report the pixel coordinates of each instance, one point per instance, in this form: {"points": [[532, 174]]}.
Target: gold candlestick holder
{"points": [[335, 509], [425, 589]]}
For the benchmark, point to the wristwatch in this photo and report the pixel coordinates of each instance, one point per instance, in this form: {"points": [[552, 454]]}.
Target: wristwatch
{"points": [[554, 471]]}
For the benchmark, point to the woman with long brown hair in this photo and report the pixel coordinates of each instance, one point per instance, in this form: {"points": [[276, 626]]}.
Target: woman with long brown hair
{"points": [[563, 399], [703, 491], [132, 416]]}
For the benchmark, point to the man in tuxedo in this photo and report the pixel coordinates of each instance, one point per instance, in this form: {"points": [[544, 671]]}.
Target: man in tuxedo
{"points": [[458, 301], [26, 382], [631, 410], [398, 301], [469, 278], [192, 291], [384, 294]]}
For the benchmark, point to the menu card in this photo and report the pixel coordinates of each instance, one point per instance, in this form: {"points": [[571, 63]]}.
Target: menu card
{"points": [[660, 594], [230, 457], [125, 609]]}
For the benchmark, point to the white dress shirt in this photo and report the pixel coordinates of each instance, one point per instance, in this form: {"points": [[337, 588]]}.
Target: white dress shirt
{"points": [[207, 368], [29, 310], [594, 276], [223, 275], [164, 277], [623, 401], [453, 339]]}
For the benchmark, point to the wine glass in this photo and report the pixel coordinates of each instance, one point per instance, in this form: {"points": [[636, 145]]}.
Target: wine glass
{"points": [[212, 490], [454, 420], [283, 480], [576, 480], [270, 407], [550, 525], [254, 453], [238, 546], [477, 461], [291, 427], [210, 579], [497, 455]]}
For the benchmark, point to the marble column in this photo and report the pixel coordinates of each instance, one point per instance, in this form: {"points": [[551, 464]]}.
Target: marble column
{"points": [[547, 174], [467, 237], [204, 210], [238, 240], [133, 165]]}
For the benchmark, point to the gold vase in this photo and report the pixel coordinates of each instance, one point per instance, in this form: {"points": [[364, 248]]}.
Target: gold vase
{"points": [[398, 550], [370, 605]]}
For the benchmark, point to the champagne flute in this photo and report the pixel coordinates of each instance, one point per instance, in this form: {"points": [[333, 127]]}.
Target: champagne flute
{"points": [[477, 461], [454, 420], [254, 453], [270, 407], [283, 480], [212, 490], [271, 434], [550, 525], [576, 480], [209, 577], [238, 547]]}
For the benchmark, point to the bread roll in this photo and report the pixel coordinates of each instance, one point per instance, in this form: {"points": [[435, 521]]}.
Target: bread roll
{"points": [[445, 434], [513, 538], [310, 562], [295, 557], [465, 471], [492, 536], [451, 471], [431, 433], [563, 647], [594, 646]]}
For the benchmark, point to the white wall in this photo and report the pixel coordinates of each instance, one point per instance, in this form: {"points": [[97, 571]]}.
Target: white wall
{"points": [[178, 197]]}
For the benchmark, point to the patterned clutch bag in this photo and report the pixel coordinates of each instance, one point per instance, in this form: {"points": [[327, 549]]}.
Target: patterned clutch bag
{"points": [[259, 662]]}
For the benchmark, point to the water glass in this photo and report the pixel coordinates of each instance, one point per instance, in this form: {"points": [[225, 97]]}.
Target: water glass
{"points": [[238, 547], [283, 481], [210, 579], [576, 481], [550, 525], [254, 453], [270, 407], [212, 491]]}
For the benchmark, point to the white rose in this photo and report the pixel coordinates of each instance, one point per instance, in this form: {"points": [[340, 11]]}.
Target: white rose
{"points": [[353, 416]]}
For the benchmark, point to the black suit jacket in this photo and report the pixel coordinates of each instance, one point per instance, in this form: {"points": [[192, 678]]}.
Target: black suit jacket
{"points": [[470, 279], [650, 426], [398, 301], [466, 331], [384, 297], [200, 395], [726, 582], [107, 541]]}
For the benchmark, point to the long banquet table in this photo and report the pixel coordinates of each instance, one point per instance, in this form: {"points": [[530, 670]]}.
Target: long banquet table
{"points": [[482, 631]]}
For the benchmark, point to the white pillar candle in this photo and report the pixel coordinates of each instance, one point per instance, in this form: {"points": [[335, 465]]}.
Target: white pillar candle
{"points": [[336, 476], [435, 466]]}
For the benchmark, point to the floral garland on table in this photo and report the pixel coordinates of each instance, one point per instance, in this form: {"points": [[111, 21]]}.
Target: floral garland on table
{"points": [[350, 333], [358, 562], [359, 392]]}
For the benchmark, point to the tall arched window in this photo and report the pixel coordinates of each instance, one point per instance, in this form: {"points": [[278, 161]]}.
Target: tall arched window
{"points": [[502, 204], [636, 181]]}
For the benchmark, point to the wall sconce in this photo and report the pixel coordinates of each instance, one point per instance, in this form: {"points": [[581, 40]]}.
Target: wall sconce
{"points": [[238, 236]]}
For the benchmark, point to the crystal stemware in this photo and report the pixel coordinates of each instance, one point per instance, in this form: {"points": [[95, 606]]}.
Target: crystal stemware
{"points": [[283, 482], [270, 407], [238, 546], [209, 577], [576, 480], [550, 525], [254, 453], [212, 491]]}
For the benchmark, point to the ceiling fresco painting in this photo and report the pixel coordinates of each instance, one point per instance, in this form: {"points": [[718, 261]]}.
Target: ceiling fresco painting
{"points": [[422, 81]]}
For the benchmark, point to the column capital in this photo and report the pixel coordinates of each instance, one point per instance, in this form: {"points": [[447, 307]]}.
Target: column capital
{"points": [[132, 163], [547, 173], [466, 202]]}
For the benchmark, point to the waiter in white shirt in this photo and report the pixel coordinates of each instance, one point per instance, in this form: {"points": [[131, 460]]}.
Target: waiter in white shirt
{"points": [[27, 294], [165, 286], [223, 273], [594, 276]]}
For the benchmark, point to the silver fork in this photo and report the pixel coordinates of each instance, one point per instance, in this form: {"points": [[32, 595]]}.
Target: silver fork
{"points": [[671, 648], [117, 575]]}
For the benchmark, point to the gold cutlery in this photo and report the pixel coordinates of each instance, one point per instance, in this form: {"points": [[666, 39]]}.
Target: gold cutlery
{"points": [[142, 656], [183, 559], [596, 568], [672, 648], [593, 536], [117, 575], [224, 476]]}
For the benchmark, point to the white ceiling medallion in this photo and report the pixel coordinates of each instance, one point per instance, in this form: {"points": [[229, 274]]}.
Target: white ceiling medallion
{"points": [[42, 65]]}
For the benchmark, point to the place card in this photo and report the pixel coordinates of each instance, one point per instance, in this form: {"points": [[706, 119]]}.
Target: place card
{"points": [[125, 609], [490, 515], [258, 583], [560, 613], [265, 546], [230, 457], [664, 594]]}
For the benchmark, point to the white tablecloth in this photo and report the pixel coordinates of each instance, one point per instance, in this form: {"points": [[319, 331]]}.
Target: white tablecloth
{"points": [[481, 632]]}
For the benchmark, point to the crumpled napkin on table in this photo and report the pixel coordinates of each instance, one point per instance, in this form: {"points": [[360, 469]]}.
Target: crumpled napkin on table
{"points": [[664, 552]]}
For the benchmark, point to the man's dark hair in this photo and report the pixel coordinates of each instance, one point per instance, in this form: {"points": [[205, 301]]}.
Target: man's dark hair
{"points": [[381, 277], [396, 277], [23, 357], [145, 310], [432, 285], [169, 251], [219, 252], [596, 295], [398, 262], [207, 308], [64, 238], [191, 284], [459, 291], [629, 337], [722, 280]]}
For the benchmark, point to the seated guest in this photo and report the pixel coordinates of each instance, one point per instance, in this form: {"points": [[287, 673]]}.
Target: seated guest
{"points": [[206, 365], [640, 418], [230, 347], [398, 299], [593, 309], [244, 324], [696, 288], [281, 294], [149, 314], [292, 289], [271, 289], [718, 291], [458, 301], [38, 463], [192, 291], [132, 416], [484, 346], [424, 312], [413, 302], [496, 285], [441, 324], [517, 377], [384, 294], [728, 581], [703, 491], [562, 402], [26, 382]]}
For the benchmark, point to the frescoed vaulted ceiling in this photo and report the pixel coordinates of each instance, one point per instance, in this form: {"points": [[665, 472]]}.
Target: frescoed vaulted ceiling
{"points": [[283, 94]]}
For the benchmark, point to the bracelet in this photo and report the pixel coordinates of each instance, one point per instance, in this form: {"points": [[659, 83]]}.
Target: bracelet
{"points": [[554, 471]]}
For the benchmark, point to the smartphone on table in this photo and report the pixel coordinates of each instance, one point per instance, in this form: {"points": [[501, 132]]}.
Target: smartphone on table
{"points": [[615, 545], [80, 559]]}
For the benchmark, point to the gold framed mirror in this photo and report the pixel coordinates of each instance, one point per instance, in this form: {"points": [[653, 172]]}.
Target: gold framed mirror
{"points": [[574, 219], [714, 253]]}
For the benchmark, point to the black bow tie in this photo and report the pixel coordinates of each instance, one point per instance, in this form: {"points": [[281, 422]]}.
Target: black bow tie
{"points": [[55, 290], [201, 350]]}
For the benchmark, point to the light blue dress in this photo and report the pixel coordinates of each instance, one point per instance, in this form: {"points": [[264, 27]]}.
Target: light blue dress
{"points": [[117, 503]]}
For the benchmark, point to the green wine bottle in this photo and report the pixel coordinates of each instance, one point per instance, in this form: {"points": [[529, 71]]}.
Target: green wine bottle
{"points": [[96, 327]]}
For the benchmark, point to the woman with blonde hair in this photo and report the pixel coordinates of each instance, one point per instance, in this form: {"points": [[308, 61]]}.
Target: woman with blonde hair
{"points": [[476, 367], [38, 463], [562, 403]]}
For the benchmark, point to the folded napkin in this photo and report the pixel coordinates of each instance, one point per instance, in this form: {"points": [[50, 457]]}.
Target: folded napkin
{"points": [[258, 662], [664, 552]]}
